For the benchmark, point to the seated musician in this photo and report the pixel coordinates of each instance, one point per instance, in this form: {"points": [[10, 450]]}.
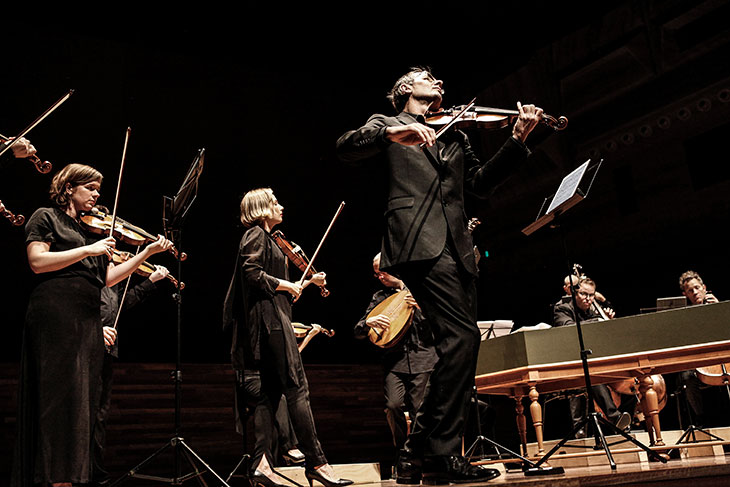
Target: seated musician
{"points": [[695, 289], [407, 365], [563, 315], [692, 286]]}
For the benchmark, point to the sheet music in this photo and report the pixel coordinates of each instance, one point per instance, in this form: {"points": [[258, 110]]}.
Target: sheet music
{"points": [[493, 329], [568, 186]]}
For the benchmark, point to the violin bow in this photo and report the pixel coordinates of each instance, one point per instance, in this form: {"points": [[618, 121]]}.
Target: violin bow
{"points": [[119, 181], [114, 219], [314, 256], [124, 296], [456, 118], [37, 121]]}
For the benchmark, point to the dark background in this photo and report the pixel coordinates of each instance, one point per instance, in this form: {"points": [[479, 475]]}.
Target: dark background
{"points": [[267, 92]]}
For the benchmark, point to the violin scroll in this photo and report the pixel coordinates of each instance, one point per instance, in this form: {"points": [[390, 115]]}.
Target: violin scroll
{"points": [[15, 220], [559, 123], [43, 167]]}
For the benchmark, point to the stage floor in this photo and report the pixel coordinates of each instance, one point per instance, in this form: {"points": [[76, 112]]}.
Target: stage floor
{"points": [[704, 472]]}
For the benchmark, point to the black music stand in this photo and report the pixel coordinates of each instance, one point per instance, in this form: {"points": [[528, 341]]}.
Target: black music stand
{"points": [[174, 212], [572, 190]]}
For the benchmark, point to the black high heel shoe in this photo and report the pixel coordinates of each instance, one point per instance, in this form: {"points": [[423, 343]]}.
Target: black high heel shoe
{"points": [[258, 479], [315, 475]]}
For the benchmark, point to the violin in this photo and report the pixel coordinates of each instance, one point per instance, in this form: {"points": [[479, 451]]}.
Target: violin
{"points": [[301, 330], [43, 167], [145, 269], [15, 220], [308, 332], [99, 222], [297, 256], [486, 118]]}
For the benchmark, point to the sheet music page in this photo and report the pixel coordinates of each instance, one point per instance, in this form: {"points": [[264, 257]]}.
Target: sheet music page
{"points": [[568, 186]]}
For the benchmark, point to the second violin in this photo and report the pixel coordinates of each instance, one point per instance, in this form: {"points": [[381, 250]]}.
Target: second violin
{"points": [[145, 269], [99, 222]]}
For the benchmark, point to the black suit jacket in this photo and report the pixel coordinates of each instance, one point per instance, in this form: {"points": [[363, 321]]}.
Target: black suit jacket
{"points": [[426, 188]]}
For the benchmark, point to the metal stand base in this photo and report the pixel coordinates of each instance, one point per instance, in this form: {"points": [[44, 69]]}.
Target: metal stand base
{"points": [[528, 467], [596, 420], [180, 449]]}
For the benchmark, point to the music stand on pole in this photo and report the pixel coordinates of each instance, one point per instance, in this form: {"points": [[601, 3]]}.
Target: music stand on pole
{"points": [[174, 212], [572, 190]]}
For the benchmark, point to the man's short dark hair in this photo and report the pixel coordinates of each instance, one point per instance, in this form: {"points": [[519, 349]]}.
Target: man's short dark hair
{"points": [[396, 96], [688, 276]]}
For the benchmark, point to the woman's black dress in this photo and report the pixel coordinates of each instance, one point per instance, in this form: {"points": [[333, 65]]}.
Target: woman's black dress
{"points": [[61, 361]]}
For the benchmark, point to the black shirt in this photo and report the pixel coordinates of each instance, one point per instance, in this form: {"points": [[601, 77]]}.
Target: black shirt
{"points": [[54, 226]]}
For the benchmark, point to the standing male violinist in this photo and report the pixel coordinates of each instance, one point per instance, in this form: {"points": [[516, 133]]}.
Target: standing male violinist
{"points": [[407, 365], [426, 243]]}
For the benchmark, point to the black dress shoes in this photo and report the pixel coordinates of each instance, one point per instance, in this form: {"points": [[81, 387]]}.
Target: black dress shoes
{"points": [[454, 469], [407, 468]]}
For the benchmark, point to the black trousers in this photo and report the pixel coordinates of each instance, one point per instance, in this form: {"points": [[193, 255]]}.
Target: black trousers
{"points": [[281, 437], [403, 393], [446, 294], [275, 381], [603, 398]]}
